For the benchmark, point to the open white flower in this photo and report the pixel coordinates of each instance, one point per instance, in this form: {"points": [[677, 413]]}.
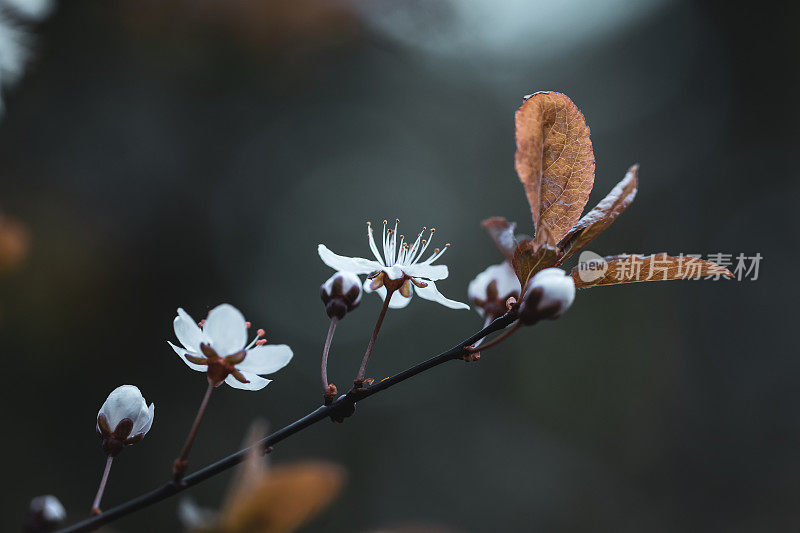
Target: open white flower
{"points": [[399, 268], [490, 290], [124, 419], [220, 348]]}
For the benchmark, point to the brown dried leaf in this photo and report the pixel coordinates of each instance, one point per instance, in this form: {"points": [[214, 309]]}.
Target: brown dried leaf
{"points": [[598, 219], [285, 498], [554, 160], [531, 257], [501, 232], [544, 237], [656, 267]]}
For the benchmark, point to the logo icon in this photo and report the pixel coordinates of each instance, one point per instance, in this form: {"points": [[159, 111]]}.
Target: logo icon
{"points": [[591, 266]]}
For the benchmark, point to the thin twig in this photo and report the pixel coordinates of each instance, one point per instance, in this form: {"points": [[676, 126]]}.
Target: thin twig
{"points": [[102, 487], [343, 404], [486, 322], [477, 347]]}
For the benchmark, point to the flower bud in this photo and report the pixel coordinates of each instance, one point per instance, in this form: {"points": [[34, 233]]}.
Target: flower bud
{"points": [[491, 289], [341, 294], [45, 514], [548, 295], [124, 419]]}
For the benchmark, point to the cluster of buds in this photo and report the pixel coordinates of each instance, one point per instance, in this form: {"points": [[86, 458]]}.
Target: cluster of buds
{"points": [[341, 294], [548, 295], [124, 419]]}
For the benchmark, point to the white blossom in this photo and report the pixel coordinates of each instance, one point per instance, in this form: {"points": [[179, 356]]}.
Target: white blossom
{"points": [[547, 295], [399, 265], [51, 508], [490, 289], [220, 348], [124, 418], [341, 293], [15, 40], [45, 513]]}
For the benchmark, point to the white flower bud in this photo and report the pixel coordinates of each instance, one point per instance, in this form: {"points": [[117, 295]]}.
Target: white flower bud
{"points": [[341, 294], [548, 295], [45, 514], [490, 290], [124, 419]]}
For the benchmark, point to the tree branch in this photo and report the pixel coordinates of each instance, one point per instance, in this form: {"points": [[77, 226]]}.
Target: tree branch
{"points": [[341, 408]]}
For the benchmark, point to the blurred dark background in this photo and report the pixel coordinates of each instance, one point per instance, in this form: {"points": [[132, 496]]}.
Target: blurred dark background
{"points": [[192, 153]]}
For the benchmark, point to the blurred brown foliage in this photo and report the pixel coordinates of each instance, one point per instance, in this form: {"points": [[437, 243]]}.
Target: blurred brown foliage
{"points": [[267, 499], [14, 243], [269, 26]]}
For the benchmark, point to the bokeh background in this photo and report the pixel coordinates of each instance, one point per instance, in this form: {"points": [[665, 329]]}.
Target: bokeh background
{"points": [[165, 154]]}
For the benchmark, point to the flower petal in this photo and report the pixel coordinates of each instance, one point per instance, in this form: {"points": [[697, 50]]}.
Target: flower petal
{"points": [[182, 354], [430, 292], [266, 359], [256, 382], [144, 422], [398, 301], [226, 329], [556, 288], [188, 332], [394, 272], [505, 280], [195, 518], [125, 401], [356, 265], [422, 270]]}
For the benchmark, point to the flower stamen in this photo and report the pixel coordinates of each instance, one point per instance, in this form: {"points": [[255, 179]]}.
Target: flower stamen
{"points": [[372, 245], [257, 341], [437, 253]]}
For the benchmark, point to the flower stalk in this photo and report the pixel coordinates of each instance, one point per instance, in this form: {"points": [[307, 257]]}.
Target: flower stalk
{"points": [[180, 464], [103, 481], [359, 381], [328, 389]]}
